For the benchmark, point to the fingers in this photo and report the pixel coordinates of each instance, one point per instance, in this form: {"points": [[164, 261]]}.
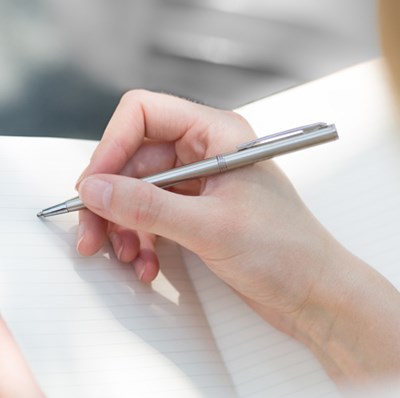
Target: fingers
{"points": [[150, 158], [128, 245], [125, 243], [143, 114], [146, 263], [141, 206], [148, 133], [136, 248], [91, 233], [94, 231]]}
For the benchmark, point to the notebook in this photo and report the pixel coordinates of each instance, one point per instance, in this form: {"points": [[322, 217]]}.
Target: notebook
{"points": [[88, 328]]}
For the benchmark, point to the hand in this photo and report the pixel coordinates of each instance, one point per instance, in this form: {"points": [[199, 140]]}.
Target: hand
{"points": [[248, 226]]}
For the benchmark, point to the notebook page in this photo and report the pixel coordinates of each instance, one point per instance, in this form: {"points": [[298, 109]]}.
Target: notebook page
{"points": [[87, 327]]}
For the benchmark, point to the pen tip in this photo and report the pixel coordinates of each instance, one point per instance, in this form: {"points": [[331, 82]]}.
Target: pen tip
{"points": [[40, 214]]}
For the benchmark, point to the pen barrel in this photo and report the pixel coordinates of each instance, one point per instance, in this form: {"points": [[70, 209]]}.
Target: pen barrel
{"points": [[253, 152], [191, 171], [243, 157], [261, 152]]}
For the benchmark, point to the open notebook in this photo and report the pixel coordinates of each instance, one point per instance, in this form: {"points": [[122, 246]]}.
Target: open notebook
{"points": [[88, 328]]}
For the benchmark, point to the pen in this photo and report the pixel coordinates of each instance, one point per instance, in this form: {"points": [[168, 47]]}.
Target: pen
{"points": [[248, 153]]}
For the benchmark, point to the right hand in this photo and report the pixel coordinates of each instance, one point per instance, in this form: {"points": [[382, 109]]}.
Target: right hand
{"points": [[248, 226]]}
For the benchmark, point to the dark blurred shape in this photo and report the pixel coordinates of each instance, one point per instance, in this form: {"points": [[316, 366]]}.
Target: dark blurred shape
{"points": [[65, 64], [60, 104]]}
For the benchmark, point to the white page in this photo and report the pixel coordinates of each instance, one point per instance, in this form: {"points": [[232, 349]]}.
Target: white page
{"points": [[352, 186], [87, 327]]}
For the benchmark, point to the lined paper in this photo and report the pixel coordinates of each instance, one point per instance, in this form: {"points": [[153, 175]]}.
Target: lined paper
{"points": [[87, 327]]}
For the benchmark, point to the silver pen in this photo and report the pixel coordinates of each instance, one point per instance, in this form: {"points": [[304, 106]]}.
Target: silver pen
{"points": [[248, 153]]}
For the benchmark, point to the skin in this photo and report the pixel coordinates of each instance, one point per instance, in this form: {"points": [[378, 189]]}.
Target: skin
{"points": [[249, 227], [16, 379]]}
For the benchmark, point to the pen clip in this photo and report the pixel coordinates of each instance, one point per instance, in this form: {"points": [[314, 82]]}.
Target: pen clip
{"points": [[281, 135]]}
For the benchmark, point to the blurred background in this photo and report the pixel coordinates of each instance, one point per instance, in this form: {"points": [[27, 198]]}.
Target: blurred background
{"points": [[64, 64]]}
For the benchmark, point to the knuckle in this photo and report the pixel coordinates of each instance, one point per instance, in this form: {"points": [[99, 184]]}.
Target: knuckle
{"points": [[237, 118], [133, 96]]}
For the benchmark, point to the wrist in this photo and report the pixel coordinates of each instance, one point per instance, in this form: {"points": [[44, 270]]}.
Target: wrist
{"points": [[351, 321]]}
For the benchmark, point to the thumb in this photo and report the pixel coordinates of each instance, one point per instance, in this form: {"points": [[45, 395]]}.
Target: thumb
{"points": [[139, 205]]}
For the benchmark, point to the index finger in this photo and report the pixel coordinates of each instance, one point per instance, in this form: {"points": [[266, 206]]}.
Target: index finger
{"points": [[142, 114]]}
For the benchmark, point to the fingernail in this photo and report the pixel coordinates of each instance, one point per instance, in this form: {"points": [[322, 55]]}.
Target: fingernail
{"points": [[117, 244], [96, 192], [79, 180], [81, 235], [139, 266]]}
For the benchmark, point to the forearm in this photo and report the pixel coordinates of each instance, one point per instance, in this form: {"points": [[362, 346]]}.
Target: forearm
{"points": [[352, 322]]}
